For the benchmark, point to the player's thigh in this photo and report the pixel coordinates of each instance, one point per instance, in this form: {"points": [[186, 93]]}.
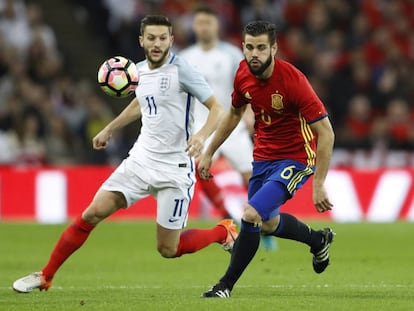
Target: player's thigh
{"points": [[128, 181], [268, 199], [172, 206], [172, 214], [290, 173]]}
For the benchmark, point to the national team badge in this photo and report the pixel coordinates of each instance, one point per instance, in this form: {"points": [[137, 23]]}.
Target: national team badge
{"points": [[277, 102], [164, 83]]}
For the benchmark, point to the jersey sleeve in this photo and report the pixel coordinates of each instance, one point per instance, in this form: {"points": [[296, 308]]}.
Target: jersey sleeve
{"points": [[238, 99], [192, 81], [309, 104]]}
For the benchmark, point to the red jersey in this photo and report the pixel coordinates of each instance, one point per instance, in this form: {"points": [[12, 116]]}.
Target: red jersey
{"points": [[284, 105]]}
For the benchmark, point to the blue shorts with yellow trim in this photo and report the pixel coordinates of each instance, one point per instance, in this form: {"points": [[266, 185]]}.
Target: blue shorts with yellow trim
{"points": [[287, 176]]}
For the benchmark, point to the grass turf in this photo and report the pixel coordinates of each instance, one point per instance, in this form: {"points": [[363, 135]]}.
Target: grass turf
{"points": [[372, 268]]}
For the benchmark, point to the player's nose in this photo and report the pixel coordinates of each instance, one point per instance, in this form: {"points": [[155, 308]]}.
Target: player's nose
{"points": [[157, 43], [255, 53]]}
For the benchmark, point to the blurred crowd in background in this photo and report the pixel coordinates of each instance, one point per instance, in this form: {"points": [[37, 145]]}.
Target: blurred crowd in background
{"points": [[358, 55]]}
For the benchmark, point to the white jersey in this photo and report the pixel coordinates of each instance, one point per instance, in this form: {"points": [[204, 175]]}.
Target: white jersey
{"points": [[166, 96], [218, 65]]}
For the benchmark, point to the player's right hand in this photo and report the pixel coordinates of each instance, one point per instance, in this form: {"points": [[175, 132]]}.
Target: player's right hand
{"points": [[100, 141], [204, 164]]}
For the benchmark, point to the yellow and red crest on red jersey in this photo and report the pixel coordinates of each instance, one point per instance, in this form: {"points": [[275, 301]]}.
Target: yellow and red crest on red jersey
{"points": [[277, 102]]}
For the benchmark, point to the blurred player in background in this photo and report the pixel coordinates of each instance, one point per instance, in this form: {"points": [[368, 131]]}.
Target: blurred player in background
{"points": [[161, 162], [218, 62], [293, 140]]}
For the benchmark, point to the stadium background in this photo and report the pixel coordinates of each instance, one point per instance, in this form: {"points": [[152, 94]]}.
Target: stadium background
{"points": [[358, 55]]}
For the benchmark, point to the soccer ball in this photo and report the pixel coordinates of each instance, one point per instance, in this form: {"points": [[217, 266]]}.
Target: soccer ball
{"points": [[118, 76]]}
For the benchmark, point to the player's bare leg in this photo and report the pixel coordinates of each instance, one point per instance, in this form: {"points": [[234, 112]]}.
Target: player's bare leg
{"points": [[103, 205], [167, 241]]}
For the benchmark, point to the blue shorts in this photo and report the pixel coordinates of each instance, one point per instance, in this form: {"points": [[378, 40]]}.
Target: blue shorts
{"points": [[273, 183]]}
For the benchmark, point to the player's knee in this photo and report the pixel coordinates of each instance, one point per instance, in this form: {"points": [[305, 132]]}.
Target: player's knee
{"points": [[167, 251], [92, 214], [103, 205], [268, 227], [251, 215]]}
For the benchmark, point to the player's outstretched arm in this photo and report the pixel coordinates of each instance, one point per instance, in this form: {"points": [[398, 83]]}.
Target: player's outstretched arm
{"points": [[227, 124], [195, 143], [325, 135], [131, 113]]}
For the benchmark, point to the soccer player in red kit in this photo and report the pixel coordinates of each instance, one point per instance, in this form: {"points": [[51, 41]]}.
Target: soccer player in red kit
{"points": [[292, 131]]}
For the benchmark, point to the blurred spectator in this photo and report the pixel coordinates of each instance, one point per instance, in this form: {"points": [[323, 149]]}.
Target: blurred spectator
{"points": [[396, 128], [39, 28], [61, 146], [9, 147], [98, 116], [355, 131], [31, 145], [263, 9], [360, 30], [68, 104], [14, 26], [296, 11], [317, 24]]}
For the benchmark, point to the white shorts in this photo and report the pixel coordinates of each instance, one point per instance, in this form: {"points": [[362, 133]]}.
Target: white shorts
{"points": [[172, 188], [237, 149]]}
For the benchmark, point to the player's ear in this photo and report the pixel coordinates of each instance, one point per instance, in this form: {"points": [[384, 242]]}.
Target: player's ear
{"points": [[274, 49], [172, 40], [140, 39]]}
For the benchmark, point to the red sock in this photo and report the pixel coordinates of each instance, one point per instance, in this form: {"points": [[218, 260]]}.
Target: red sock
{"points": [[193, 240], [70, 240], [214, 194]]}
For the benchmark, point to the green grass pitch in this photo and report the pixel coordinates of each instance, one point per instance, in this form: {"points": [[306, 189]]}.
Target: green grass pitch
{"points": [[372, 268]]}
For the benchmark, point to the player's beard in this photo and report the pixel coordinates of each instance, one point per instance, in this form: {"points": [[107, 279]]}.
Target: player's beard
{"points": [[258, 71], [160, 61]]}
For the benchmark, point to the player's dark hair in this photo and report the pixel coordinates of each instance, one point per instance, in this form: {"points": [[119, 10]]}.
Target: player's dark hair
{"points": [[257, 28], [205, 10], [155, 20]]}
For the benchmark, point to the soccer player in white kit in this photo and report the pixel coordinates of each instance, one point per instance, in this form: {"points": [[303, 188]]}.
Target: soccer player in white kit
{"points": [[218, 61], [161, 162]]}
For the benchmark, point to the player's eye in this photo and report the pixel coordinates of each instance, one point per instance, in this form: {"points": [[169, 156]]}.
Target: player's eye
{"points": [[249, 47], [262, 47]]}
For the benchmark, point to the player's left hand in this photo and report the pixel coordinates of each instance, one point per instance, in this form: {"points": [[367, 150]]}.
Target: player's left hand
{"points": [[320, 199], [203, 166], [195, 145]]}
